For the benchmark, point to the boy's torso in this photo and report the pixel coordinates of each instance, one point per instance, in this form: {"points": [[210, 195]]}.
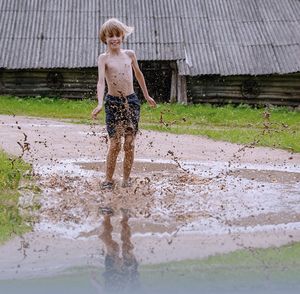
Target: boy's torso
{"points": [[118, 74]]}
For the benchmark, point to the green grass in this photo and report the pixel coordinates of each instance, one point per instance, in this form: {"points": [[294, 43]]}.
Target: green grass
{"points": [[11, 221], [241, 124], [46, 107]]}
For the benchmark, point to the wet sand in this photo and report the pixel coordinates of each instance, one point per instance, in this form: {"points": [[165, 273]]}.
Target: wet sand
{"points": [[269, 176], [191, 197]]}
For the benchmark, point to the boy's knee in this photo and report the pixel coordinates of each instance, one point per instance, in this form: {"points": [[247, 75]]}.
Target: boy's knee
{"points": [[118, 147], [128, 146], [115, 146]]}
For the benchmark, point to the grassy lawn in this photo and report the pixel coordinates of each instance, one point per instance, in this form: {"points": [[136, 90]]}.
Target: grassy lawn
{"points": [[11, 221], [277, 127]]}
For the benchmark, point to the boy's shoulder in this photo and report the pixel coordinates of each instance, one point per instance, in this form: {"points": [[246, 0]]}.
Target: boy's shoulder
{"points": [[102, 56], [130, 53]]}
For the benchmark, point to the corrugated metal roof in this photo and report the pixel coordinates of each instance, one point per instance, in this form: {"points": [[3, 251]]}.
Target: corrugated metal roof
{"points": [[205, 36], [275, 10], [252, 33], [283, 32], [288, 57], [244, 10]]}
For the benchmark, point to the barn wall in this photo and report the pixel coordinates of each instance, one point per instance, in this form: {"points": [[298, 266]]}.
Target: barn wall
{"points": [[75, 83], [274, 89], [78, 83]]}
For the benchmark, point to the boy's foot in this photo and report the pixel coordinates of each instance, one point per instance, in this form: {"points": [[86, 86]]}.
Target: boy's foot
{"points": [[107, 185], [106, 211], [125, 212], [127, 183]]}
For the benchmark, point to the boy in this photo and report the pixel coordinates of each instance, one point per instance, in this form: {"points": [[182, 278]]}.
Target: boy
{"points": [[122, 106]]}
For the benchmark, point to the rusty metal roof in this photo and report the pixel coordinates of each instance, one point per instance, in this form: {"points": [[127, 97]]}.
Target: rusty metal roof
{"points": [[227, 37]]}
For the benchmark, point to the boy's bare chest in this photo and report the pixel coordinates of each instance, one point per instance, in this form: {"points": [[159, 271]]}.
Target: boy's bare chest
{"points": [[118, 65]]}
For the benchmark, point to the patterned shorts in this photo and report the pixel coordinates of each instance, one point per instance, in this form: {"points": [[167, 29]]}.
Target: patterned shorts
{"points": [[122, 115]]}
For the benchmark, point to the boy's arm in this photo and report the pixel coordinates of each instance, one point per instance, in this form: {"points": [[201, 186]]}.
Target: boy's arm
{"points": [[100, 85], [140, 78]]}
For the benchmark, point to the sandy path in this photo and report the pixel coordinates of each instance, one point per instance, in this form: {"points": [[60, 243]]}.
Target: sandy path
{"points": [[193, 195], [50, 139]]}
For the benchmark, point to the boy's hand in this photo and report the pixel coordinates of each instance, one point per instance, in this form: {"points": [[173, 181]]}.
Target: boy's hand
{"points": [[151, 101], [96, 111]]}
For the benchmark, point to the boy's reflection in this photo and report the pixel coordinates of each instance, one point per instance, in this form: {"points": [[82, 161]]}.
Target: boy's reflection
{"points": [[121, 273]]}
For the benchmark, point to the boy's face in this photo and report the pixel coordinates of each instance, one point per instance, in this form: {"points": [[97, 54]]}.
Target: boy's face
{"points": [[114, 40]]}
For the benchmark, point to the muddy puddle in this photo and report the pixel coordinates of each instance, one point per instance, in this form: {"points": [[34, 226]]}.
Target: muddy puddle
{"points": [[171, 232], [188, 209], [119, 262], [165, 195]]}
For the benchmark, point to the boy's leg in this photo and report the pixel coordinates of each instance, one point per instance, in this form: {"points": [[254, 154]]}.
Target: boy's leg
{"points": [[127, 246], [129, 141], [112, 247], [112, 155], [129, 260]]}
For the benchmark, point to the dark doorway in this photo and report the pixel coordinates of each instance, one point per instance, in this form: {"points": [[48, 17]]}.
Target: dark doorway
{"points": [[158, 80]]}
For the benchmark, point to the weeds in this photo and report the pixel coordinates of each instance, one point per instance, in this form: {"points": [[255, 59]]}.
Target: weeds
{"points": [[12, 222]]}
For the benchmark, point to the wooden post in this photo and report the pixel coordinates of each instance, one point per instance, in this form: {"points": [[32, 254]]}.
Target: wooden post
{"points": [[181, 90], [173, 92]]}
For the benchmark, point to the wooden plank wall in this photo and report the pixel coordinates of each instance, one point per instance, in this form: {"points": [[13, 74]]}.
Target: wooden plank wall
{"points": [[80, 83], [272, 89], [76, 83]]}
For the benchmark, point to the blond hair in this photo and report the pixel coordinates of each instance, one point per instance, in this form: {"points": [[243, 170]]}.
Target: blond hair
{"points": [[114, 27]]}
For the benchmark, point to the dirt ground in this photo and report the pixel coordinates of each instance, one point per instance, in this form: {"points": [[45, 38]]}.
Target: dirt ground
{"points": [[197, 195]]}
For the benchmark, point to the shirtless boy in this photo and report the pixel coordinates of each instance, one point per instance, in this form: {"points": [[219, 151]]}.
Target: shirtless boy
{"points": [[122, 106]]}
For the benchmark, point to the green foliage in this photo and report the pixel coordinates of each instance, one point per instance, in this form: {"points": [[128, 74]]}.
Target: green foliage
{"points": [[12, 170]]}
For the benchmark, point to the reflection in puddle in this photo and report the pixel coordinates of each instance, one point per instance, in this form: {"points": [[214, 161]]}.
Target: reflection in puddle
{"points": [[240, 272], [121, 272]]}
